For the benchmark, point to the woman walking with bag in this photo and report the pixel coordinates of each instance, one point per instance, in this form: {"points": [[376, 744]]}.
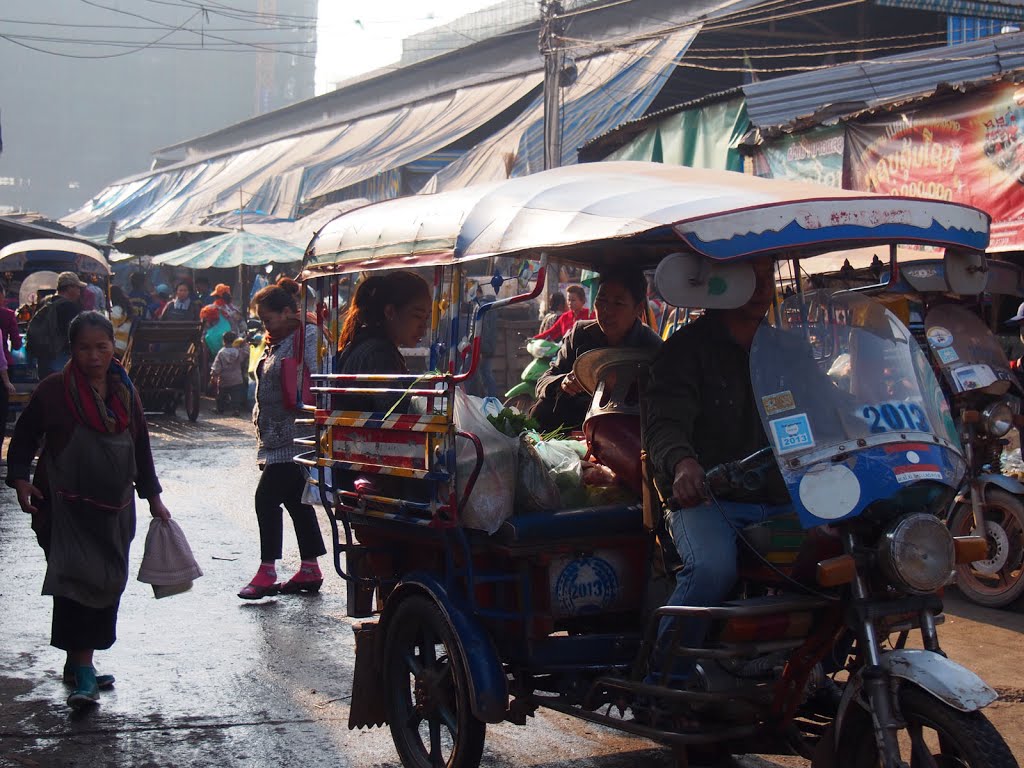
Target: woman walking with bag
{"points": [[282, 480], [96, 447]]}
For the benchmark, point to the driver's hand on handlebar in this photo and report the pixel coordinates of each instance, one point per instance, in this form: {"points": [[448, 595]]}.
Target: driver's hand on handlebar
{"points": [[688, 483], [570, 386]]}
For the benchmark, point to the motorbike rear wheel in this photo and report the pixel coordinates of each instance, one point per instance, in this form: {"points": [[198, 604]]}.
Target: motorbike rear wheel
{"points": [[998, 581], [937, 736], [428, 693]]}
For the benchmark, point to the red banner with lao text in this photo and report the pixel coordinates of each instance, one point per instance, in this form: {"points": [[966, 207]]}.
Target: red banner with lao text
{"points": [[970, 149]]}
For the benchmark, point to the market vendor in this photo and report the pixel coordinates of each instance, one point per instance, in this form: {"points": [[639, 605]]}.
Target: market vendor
{"points": [[621, 297]]}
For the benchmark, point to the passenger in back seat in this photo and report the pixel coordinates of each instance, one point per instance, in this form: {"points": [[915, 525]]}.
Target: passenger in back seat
{"points": [[620, 303], [389, 311]]}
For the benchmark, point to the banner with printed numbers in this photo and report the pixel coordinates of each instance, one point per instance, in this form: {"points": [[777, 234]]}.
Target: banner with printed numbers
{"points": [[969, 149]]}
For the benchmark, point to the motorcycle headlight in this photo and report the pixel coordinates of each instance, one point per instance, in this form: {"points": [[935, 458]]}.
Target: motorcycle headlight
{"points": [[917, 553], [998, 418]]}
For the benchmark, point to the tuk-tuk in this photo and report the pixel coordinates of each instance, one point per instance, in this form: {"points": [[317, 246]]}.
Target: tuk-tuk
{"points": [[970, 361], [560, 607], [34, 266]]}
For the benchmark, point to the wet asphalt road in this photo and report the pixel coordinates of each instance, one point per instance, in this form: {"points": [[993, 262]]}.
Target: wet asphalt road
{"points": [[204, 679]]}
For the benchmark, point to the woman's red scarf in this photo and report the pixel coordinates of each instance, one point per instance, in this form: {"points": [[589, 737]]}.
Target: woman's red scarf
{"points": [[88, 407]]}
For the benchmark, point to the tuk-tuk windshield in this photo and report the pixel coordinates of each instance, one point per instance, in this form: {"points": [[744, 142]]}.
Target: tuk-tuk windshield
{"points": [[839, 373], [966, 352]]}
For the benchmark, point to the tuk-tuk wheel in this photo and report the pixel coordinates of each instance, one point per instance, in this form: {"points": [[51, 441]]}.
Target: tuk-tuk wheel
{"points": [[428, 693], [998, 581], [193, 387]]}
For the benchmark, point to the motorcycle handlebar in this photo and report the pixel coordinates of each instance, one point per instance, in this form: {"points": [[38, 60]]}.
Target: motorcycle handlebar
{"points": [[749, 474]]}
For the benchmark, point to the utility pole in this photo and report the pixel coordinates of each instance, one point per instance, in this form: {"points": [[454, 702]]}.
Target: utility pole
{"points": [[552, 27]]}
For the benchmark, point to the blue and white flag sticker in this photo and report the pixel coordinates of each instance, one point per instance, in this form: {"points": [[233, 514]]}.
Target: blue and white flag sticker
{"points": [[792, 433], [947, 355]]}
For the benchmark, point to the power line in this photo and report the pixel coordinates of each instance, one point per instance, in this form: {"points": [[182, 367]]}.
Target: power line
{"points": [[103, 55], [203, 34]]}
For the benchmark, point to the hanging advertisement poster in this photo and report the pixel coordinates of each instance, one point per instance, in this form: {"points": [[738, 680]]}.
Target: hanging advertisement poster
{"points": [[969, 149], [815, 156]]}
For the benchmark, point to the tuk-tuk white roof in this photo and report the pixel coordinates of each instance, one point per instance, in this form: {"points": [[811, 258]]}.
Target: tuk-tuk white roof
{"points": [[600, 212], [49, 253]]}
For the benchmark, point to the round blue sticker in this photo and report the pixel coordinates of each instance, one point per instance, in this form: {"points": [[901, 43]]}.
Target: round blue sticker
{"points": [[587, 585]]}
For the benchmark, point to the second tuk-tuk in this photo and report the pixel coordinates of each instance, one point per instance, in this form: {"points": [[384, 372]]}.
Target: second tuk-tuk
{"points": [[560, 608]]}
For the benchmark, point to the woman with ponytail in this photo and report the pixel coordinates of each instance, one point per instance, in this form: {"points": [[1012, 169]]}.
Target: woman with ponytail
{"points": [[282, 481], [388, 311]]}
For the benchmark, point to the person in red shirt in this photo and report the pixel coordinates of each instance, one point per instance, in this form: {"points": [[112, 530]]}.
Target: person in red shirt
{"points": [[577, 311]]}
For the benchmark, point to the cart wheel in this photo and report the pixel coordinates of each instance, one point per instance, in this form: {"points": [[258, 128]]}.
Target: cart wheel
{"points": [[428, 694], [192, 394]]}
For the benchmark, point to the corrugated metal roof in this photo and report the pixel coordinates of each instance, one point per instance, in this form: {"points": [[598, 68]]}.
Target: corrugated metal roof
{"points": [[871, 83]]}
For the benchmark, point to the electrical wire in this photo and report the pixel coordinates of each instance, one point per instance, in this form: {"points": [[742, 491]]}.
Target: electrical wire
{"points": [[102, 55], [202, 34]]}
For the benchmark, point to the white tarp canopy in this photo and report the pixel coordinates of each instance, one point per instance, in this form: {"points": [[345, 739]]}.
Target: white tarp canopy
{"points": [[279, 176]]}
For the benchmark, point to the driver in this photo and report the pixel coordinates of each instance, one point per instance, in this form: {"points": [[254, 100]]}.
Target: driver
{"points": [[701, 412]]}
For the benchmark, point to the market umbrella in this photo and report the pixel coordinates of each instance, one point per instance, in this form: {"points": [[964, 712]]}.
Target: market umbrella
{"points": [[300, 231], [152, 242], [234, 249]]}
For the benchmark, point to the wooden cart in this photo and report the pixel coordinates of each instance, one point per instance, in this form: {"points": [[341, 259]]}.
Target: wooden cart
{"points": [[164, 361]]}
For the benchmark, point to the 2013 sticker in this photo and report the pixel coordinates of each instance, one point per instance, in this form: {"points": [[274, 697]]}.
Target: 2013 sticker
{"points": [[895, 416], [792, 433], [780, 402]]}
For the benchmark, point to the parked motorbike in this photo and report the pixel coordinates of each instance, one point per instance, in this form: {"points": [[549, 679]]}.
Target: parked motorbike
{"points": [[524, 394], [985, 397]]}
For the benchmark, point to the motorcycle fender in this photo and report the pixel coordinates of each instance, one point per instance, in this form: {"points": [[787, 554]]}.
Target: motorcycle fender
{"points": [[522, 388], [1008, 484], [946, 680], [488, 686]]}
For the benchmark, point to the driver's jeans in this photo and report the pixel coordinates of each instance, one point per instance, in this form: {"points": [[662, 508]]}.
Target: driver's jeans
{"points": [[706, 539]]}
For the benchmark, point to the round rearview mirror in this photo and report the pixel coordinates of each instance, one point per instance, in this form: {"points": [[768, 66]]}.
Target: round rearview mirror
{"points": [[966, 271], [691, 280]]}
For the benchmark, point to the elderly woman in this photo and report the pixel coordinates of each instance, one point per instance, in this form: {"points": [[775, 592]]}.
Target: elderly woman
{"points": [[95, 448], [621, 299]]}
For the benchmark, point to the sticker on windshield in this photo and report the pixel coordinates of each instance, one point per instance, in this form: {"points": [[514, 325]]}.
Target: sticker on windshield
{"points": [[947, 355], [939, 337], [780, 402], [969, 377], [894, 417], [914, 472], [792, 433]]}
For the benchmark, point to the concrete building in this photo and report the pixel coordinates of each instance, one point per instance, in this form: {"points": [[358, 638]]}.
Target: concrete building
{"points": [[73, 121]]}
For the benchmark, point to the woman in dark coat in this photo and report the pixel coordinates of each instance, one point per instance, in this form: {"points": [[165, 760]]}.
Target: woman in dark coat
{"points": [[96, 453]]}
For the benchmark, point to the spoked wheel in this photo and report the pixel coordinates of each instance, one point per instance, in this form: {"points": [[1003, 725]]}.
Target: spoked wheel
{"points": [[937, 736], [999, 580], [428, 694], [193, 387]]}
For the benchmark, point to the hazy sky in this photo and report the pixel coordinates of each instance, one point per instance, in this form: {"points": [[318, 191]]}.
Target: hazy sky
{"points": [[357, 37]]}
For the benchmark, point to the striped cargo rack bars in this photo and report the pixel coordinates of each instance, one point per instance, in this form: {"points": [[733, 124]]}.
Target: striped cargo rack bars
{"points": [[399, 445]]}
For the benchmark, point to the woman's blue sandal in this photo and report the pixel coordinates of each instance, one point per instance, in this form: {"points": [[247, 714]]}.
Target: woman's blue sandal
{"points": [[87, 690], [103, 682]]}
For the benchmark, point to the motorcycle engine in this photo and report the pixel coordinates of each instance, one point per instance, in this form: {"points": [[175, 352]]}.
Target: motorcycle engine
{"points": [[718, 676]]}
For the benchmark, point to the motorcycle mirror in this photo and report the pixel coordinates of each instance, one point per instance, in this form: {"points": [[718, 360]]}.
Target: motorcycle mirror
{"points": [[966, 271], [692, 280]]}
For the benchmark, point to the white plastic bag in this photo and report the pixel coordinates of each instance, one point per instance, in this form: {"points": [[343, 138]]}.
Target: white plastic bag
{"points": [[167, 563], [314, 494], [491, 500], [562, 459]]}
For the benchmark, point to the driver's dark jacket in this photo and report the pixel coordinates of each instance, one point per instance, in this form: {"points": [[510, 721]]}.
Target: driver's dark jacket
{"points": [[700, 404]]}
